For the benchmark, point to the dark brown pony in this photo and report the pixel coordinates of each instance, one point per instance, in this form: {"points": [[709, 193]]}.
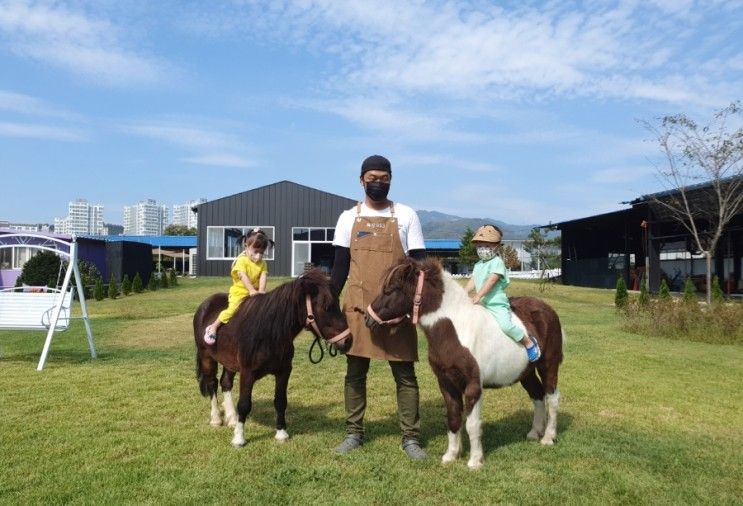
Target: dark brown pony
{"points": [[468, 351], [259, 340]]}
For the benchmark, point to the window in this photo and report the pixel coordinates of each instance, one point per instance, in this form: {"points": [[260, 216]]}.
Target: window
{"points": [[302, 251], [23, 255], [6, 258], [223, 243]]}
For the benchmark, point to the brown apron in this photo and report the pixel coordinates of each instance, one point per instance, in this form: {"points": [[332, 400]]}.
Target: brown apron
{"points": [[375, 247]]}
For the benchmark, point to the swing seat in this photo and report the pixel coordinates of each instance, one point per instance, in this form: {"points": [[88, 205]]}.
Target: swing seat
{"points": [[33, 310]]}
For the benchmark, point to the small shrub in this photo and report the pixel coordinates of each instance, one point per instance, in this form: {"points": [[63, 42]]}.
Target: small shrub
{"points": [[173, 278], [152, 284], [89, 274], [40, 269], [644, 299], [137, 286], [98, 290], [664, 293], [126, 285], [113, 288], [164, 280], [717, 293], [690, 291], [621, 297]]}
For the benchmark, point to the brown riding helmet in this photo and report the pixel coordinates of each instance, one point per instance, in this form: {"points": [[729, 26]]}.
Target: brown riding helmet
{"points": [[488, 233]]}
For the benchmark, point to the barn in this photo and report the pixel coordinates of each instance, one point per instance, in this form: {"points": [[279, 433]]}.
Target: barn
{"points": [[301, 220], [646, 241]]}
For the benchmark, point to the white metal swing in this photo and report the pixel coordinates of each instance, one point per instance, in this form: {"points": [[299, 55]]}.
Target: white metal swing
{"points": [[46, 309]]}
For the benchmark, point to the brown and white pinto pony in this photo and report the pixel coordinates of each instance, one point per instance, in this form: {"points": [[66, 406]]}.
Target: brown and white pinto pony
{"points": [[468, 351], [259, 340]]}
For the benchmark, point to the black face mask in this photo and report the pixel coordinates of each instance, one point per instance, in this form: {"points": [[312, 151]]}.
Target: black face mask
{"points": [[377, 190]]}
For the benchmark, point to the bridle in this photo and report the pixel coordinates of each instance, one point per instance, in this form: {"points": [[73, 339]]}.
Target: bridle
{"points": [[416, 306], [311, 324]]}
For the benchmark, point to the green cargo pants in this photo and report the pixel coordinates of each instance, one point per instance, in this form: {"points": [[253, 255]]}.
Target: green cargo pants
{"points": [[407, 396]]}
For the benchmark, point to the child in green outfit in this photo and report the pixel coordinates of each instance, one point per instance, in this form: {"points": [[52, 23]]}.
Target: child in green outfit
{"points": [[489, 280]]}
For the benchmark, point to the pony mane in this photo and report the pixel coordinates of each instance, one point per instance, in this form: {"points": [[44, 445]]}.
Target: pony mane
{"points": [[269, 322]]}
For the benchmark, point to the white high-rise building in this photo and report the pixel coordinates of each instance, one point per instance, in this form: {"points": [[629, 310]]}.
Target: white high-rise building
{"points": [[183, 215], [145, 218], [82, 218]]}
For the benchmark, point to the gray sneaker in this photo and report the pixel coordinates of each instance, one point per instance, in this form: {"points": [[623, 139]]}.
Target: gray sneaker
{"points": [[412, 448], [350, 443]]}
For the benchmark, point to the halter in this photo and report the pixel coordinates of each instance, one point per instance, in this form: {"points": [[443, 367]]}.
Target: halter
{"points": [[416, 305], [311, 324]]}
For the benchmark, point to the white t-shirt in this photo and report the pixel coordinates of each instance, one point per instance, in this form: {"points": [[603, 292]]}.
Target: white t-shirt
{"points": [[408, 224]]}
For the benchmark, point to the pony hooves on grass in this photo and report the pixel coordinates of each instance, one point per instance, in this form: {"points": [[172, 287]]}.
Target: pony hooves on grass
{"points": [[474, 465], [547, 441], [238, 443], [533, 435], [448, 459], [215, 423], [281, 436]]}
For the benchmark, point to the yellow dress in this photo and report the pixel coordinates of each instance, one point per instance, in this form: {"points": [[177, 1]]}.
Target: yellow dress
{"points": [[238, 292]]}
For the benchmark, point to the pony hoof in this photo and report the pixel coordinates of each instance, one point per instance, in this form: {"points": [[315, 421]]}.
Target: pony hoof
{"points": [[215, 423], [232, 424], [281, 436], [533, 435], [238, 443], [547, 441], [448, 459], [474, 465]]}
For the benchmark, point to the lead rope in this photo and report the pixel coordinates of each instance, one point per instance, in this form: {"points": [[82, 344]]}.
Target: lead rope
{"points": [[331, 351]]}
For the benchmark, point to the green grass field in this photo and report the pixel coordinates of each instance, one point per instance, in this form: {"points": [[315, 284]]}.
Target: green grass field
{"points": [[642, 421]]}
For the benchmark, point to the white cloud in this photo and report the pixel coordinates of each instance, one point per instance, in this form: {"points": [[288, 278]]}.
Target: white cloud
{"points": [[629, 50], [26, 104], [42, 132], [77, 42], [208, 145]]}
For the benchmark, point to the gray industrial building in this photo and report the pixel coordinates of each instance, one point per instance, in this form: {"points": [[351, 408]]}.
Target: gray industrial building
{"points": [[301, 220]]}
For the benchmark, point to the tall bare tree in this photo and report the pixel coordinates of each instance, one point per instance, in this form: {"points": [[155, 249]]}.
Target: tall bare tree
{"points": [[703, 169]]}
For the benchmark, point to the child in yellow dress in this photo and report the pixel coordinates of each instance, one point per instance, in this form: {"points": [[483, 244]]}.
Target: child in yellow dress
{"points": [[249, 273]]}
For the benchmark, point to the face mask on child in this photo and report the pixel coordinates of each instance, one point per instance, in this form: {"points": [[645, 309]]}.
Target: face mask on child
{"points": [[485, 252]]}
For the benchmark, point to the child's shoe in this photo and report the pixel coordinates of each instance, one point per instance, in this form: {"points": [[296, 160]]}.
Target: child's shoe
{"points": [[533, 352], [210, 337]]}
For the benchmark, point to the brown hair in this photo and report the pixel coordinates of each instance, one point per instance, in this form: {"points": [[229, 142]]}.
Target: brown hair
{"points": [[258, 239]]}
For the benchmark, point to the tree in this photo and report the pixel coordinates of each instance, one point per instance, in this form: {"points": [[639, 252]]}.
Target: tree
{"points": [[137, 285], [690, 291], [179, 230], [544, 252], [173, 278], [152, 284], [621, 296], [510, 257], [467, 250], [126, 285], [644, 299], [98, 291], [663, 292], [717, 293], [42, 269], [113, 288], [711, 154]]}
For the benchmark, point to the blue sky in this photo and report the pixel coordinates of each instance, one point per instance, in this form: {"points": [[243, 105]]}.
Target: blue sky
{"points": [[520, 111]]}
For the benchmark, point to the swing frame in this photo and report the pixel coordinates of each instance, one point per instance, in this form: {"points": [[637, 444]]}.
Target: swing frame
{"points": [[23, 307]]}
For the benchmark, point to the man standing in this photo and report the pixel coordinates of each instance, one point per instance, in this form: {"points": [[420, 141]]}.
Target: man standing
{"points": [[370, 238]]}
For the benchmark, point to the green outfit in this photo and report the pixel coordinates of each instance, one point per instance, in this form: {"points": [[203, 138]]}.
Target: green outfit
{"points": [[496, 300]]}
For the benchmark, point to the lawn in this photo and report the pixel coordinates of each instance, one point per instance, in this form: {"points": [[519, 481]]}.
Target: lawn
{"points": [[642, 421]]}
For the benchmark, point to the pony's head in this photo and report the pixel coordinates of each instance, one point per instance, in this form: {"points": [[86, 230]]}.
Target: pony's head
{"points": [[323, 313], [404, 291]]}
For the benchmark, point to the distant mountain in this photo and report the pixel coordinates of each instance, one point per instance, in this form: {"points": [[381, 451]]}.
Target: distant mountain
{"points": [[438, 225]]}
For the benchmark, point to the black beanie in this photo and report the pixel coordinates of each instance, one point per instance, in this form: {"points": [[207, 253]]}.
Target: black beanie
{"points": [[376, 162]]}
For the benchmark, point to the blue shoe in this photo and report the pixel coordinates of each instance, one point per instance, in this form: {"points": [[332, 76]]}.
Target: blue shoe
{"points": [[533, 352]]}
